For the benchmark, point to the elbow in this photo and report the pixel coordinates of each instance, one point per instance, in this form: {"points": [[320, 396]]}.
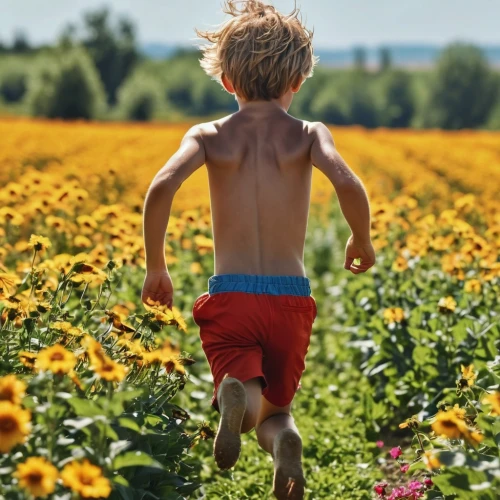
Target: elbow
{"points": [[164, 187], [349, 185]]}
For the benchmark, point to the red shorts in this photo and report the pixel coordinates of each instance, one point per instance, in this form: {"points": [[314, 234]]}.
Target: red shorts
{"points": [[249, 335]]}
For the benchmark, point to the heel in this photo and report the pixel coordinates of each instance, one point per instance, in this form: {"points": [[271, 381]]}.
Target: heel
{"points": [[289, 482], [233, 404]]}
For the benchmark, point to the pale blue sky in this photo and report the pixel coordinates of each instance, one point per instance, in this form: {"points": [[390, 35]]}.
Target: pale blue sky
{"points": [[337, 23]]}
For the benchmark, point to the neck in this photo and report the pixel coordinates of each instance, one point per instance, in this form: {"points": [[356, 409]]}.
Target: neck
{"points": [[263, 106]]}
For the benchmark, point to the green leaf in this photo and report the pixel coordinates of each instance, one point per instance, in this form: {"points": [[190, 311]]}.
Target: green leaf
{"points": [[423, 355], [85, 407], [108, 431], [134, 459], [124, 491], [465, 483], [129, 424]]}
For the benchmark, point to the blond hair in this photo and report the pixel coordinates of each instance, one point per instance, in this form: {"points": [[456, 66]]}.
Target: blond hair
{"points": [[262, 52]]}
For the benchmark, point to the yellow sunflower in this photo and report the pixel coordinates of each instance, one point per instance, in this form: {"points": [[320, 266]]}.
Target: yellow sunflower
{"points": [[174, 364], [15, 425], [394, 315], [37, 475], [28, 358], [400, 264], [8, 282], [86, 479], [196, 268], [447, 304], [459, 412], [493, 400], [39, 242], [446, 423], [468, 374], [12, 389], [56, 358], [472, 286], [110, 370], [431, 461]]}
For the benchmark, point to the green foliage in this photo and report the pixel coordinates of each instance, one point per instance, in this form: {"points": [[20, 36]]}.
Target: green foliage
{"points": [[463, 89], [189, 90], [13, 80], [494, 120], [112, 48], [461, 92], [129, 428], [20, 44], [140, 97], [385, 59], [395, 99], [66, 85], [347, 100]]}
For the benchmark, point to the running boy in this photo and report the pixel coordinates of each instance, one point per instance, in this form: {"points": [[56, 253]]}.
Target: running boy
{"points": [[256, 318]]}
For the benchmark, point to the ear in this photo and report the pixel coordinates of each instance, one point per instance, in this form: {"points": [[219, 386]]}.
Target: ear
{"points": [[295, 88], [227, 84]]}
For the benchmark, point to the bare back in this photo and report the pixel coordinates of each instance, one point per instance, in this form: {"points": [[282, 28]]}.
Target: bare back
{"points": [[259, 169]]}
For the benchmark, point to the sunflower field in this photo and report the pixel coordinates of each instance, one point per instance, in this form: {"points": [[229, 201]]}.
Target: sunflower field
{"points": [[102, 396]]}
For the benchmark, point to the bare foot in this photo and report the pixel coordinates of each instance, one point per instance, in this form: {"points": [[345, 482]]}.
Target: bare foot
{"points": [[289, 481], [232, 399]]}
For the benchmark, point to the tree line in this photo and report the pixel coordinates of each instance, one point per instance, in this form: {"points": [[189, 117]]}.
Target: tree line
{"points": [[95, 71]]}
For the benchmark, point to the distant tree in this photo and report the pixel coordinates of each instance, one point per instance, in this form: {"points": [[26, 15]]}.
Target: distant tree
{"points": [[20, 44], [182, 77], [210, 98], [385, 59], [113, 49], [13, 82], [140, 97], [67, 38], [360, 58], [66, 85], [347, 100], [494, 118], [328, 106], [463, 89], [395, 99], [301, 105]]}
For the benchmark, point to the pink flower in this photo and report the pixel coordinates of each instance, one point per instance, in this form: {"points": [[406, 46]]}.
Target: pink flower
{"points": [[404, 467], [396, 452], [415, 485], [379, 444], [380, 489], [399, 492]]}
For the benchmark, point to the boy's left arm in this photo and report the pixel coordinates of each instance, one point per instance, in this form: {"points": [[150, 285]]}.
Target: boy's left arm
{"points": [[158, 202]]}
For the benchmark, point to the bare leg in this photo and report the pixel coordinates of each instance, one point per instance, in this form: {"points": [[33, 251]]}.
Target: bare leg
{"points": [[278, 435], [239, 405], [253, 389], [270, 427]]}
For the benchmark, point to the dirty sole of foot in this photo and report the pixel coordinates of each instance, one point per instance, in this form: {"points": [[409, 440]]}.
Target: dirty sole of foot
{"points": [[289, 482], [227, 444]]}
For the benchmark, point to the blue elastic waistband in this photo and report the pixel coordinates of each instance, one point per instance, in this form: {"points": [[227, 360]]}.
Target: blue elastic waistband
{"points": [[253, 283]]}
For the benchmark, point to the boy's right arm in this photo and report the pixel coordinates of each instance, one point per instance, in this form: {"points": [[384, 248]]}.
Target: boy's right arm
{"points": [[352, 198]]}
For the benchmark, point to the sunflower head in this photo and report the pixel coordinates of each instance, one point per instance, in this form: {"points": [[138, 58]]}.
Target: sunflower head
{"points": [[37, 475], [12, 389], [56, 358], [15, 425]]}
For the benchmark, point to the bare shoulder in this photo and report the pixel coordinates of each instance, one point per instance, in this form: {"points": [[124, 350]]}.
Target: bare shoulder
{"points": [[211, 129], [319, 131]]}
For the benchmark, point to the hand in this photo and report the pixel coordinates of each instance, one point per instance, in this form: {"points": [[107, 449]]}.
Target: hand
{"points": [[158, 286], [354, 250]]}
